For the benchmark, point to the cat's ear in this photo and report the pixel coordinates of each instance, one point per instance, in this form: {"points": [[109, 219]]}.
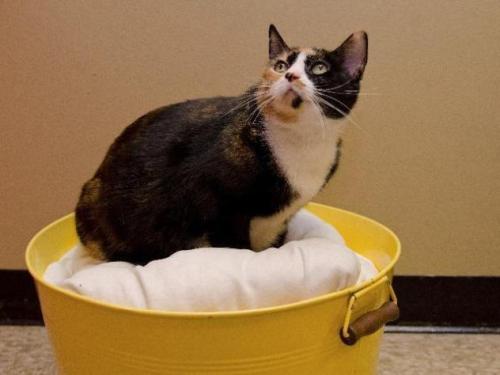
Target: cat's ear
{"points": [[276, 43], [353, 54]]}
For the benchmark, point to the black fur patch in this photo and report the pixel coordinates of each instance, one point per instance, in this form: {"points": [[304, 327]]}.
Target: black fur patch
{"points": [[343, 94], [335, 165], [291, 58], [296, 102]]}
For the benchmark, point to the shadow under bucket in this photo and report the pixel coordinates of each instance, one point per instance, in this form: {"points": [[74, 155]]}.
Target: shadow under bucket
{"points": [[93, 337]]}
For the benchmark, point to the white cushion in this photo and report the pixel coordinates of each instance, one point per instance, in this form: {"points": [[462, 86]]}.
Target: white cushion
{"points": [[313, 261]]}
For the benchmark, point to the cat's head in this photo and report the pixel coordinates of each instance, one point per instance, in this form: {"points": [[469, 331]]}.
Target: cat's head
{"points": [[299, 77]]}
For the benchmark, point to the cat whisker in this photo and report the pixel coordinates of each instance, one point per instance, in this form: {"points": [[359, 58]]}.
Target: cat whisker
{"points": [[346, 115], [339, 86], [351, 92], [258, 108], [324, 96], [315, 107], [321, 114], [247, 99], [242, 103]]}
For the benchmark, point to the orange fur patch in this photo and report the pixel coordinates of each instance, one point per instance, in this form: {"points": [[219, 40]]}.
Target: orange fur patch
{"points": [[92, 190], [307, 51], [94, 250], [283, 115], [270, 75], [235, 150]]}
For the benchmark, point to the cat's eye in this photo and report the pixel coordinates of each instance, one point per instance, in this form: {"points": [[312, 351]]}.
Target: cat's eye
{"points": [[319, 68], [281, 66]]}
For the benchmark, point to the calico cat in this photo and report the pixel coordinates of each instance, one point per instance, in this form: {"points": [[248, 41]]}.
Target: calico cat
{"points": [[225, 171]]}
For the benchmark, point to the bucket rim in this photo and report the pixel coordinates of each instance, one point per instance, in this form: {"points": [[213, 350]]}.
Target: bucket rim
{"points": [[216, 314]]}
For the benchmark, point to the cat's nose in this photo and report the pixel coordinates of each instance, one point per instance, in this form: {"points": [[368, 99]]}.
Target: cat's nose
{"points": [[291, 76]]}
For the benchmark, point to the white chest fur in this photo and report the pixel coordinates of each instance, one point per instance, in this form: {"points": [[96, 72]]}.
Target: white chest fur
{"points": [[304, 151]]}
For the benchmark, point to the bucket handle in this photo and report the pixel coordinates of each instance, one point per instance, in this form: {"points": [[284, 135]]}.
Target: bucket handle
{"points": [[372, 321]]}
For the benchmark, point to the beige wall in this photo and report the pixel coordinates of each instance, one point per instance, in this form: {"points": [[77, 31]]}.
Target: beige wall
{"points": [[425, 159]]}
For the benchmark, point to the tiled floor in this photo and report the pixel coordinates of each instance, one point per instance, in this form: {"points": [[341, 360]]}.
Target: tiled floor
{"points": [[26, 351]]}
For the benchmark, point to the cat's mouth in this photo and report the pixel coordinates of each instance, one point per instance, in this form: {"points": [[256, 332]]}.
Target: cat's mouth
{"points": [[294, 97]]}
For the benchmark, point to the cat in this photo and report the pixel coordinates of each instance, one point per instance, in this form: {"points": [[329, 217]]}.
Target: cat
{"points": [[225, 171]]}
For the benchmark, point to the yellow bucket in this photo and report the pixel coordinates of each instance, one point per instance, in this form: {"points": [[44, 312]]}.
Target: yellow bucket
{"points": [[303, 338]]}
